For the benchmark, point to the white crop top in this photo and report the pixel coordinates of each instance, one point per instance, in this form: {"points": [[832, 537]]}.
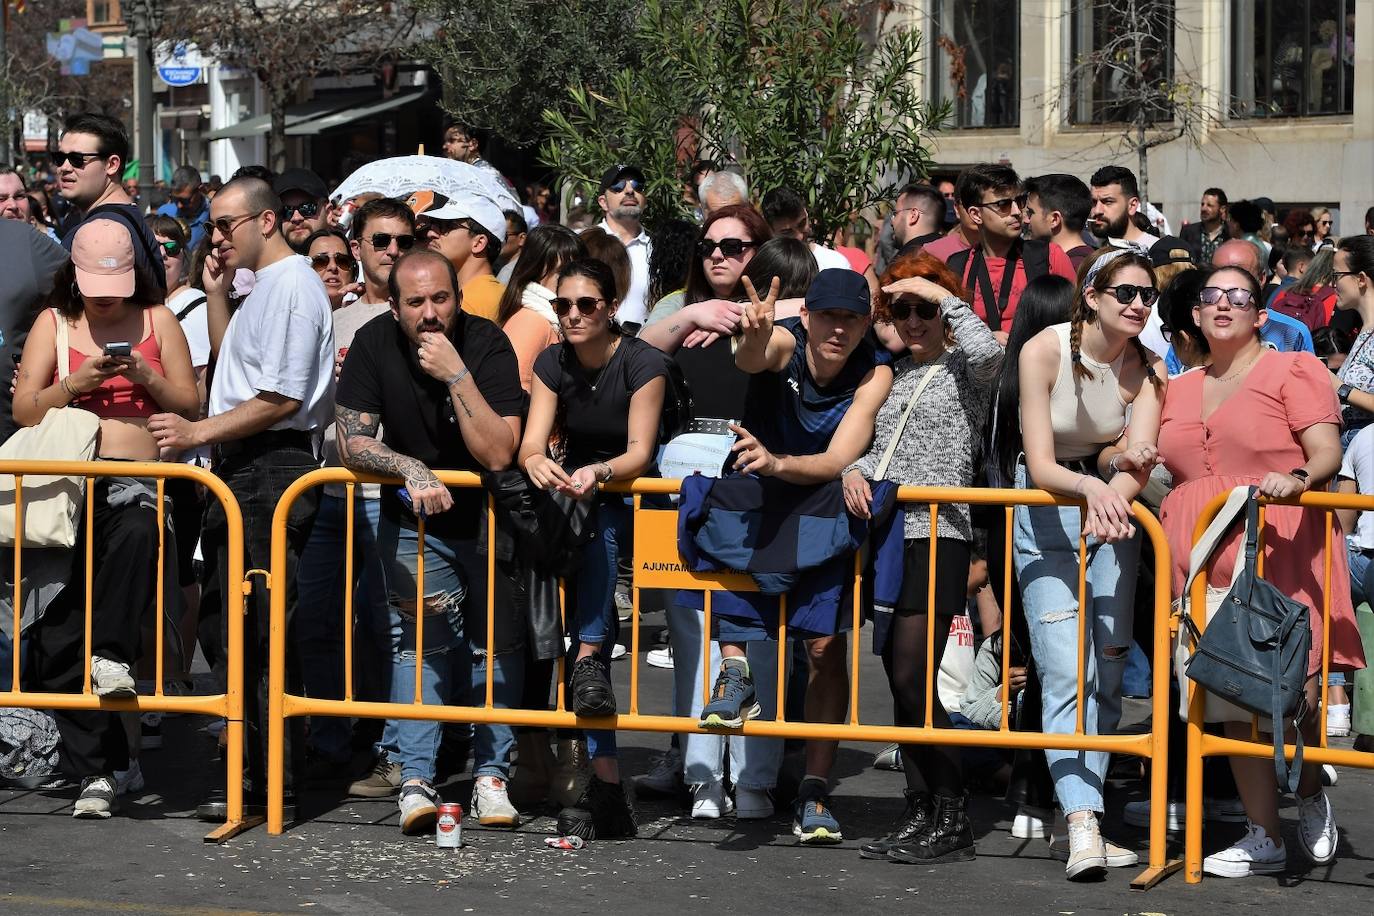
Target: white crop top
{"points": [[1086, 414]]}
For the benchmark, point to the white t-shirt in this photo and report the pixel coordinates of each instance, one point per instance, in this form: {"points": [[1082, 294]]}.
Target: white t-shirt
{"points": [[281, 340], [347, 320], [826, 258], [1358, 465], [195, 325], [634, 308]]}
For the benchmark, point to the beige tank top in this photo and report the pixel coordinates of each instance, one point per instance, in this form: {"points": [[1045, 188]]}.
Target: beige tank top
{"points": [[1086, 414]]}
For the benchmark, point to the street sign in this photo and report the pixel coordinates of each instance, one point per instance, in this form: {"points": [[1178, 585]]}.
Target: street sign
{"points": [[180, 63], [179, 76]]}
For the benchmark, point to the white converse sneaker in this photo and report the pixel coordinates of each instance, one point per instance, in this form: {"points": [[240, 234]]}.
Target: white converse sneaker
{"points": [[1085, 855], [491, 803], [1253, 854], [753, 804], [1338, 720], [1032, 823], [111, 678], [710, 801], [663, 775], [1317, 832]]}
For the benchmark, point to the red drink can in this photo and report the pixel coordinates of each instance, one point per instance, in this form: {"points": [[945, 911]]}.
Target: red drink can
{"points": [[343, 351], [448, 829]]}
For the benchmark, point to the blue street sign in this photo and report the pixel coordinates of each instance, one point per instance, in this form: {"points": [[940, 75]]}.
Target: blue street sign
{"points": [[179, 76]]}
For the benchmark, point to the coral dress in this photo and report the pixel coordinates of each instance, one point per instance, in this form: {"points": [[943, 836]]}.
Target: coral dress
{"points": [[1253, 432]]}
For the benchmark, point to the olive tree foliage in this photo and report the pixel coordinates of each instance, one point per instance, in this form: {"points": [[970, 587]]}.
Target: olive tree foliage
{"points": [[503, 62], [822, 96]]}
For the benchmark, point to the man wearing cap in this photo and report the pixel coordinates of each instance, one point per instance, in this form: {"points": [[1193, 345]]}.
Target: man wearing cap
{"points": [[269, 404], [469, 230], [622, 200], [461, 143], [304, 205], [816, 384], [188, 203]]}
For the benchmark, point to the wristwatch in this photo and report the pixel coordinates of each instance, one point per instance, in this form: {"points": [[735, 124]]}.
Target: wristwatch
{"points": [[1301, 474], [1343, 393]]}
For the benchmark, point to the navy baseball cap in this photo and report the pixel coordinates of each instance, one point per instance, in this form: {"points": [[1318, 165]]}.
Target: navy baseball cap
{"points": [[618, 171], [838, 288]]}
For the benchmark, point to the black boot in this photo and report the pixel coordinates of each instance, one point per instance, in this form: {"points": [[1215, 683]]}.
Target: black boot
{"points": [[914, 822], [949, 838], [591, 687], [604, 812]]}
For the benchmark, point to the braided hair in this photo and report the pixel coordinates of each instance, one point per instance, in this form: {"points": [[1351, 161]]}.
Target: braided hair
{"points": [[1097, 273]]}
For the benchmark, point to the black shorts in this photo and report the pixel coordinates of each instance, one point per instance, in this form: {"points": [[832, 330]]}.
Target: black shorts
{"points": [[952, 559]]}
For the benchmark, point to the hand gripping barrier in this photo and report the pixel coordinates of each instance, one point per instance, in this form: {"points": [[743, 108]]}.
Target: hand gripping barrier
{"points": [[227, 705], [657, 564], [1200, 743]]}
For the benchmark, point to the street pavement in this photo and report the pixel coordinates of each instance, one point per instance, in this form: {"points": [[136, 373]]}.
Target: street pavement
{"points": [[347, 856]]}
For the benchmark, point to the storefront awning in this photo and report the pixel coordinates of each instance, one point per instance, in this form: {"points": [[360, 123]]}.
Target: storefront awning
{"points": [[349, 115], [295, 114]]}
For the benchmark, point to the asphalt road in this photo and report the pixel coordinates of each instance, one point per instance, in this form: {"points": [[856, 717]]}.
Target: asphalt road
{"points": [[348, 857]]}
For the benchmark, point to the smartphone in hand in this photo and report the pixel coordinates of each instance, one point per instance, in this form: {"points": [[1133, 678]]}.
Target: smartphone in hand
{"points": [[119, 350]]}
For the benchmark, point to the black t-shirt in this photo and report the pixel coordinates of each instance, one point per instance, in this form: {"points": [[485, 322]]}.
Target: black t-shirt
{"points": [[595, 405], [718, 386], [382, 375], [150, 274], [33, 261]]}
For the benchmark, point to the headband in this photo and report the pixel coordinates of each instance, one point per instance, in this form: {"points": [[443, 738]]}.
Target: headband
{"points": [[1116, 252]]}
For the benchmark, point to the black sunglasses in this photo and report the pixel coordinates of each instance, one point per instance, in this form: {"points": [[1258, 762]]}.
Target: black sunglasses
{"points": [[78, 160], [585, 304], [342, 261], [620, 186], [1125, 293], [1239, 298], [381, 241], [730, 248], [1003, 204], [172, 247], [308, 210], [901, 309]]}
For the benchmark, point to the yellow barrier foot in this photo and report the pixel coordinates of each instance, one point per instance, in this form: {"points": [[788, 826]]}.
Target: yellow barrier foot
{"points": [[1152, 876], [230, 829]]}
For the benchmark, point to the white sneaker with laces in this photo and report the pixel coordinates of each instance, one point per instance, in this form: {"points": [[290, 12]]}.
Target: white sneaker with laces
{"points": [[710, 801], [1031, 823], [618, 651], [662, 657], [97, 798], [1253, 854], [111, 678], [663, 775], [1085, 855], [753, 804], [419, 806], [1317, 833], [1338, 721], [130, 780], [491, 803]]}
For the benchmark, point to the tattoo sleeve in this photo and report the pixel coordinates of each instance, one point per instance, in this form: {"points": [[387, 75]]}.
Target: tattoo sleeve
{"points": [[360, 450]]}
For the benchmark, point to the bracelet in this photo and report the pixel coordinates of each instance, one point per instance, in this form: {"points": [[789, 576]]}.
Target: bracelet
{"points": [[1082, 485], [610, 471], [457, 378], [71, 393], [1111, 465]]}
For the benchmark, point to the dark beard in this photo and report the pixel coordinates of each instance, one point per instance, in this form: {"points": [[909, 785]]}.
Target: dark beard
{"points": [[1116, 230]]}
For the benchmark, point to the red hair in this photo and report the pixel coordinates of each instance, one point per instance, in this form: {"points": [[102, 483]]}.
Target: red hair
{"points": [[921, 265]]}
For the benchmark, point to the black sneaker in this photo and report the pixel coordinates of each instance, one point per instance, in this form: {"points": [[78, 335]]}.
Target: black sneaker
{"points": [[947, 838], [593, 695], [604, 812], [914, 821]]}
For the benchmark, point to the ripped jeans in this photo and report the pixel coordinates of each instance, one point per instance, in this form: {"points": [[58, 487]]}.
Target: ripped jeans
{"points": [[1045, 551]]}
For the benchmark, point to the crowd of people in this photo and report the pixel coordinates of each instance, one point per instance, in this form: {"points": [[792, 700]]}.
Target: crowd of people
{"points": [[1031, 333]]}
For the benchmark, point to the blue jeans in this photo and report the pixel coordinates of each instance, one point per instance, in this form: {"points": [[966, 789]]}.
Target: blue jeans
{"points": [[595, 620], [1045, 552], [754, 762], [319, 621], [1361, 577]]}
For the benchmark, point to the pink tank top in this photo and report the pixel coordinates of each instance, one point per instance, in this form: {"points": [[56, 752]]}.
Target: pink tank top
{"points": [[118, 396]]}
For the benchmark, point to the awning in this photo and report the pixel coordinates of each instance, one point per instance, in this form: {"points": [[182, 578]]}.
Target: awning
{"points": [[295, 114], [349, 115]]}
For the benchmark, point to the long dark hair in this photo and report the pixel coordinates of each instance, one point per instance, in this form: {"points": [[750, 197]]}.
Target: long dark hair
{"points": [[1045, 301], [758, 230], [547, 247], [788, 259], [670, 258]]}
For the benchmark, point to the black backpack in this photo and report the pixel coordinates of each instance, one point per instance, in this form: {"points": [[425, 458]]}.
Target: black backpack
{"points": [[1034, 254]]}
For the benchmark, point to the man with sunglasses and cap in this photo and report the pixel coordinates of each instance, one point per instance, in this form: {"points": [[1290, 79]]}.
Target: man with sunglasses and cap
{"points": [[469, 231], [622, 200], [305, 206], [188, 204]]}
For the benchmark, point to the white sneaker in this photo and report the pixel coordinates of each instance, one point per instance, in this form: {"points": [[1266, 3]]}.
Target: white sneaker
{"points": [[419, 805], [111, 678], [624, 605], [491, 803], [1084, 852], [1338, 721], [663, 775], [1115, 856], [130, 780], [1329, 775], [662, 657], [1253, 854], [97, 798], [1317, 832], [753, 804], [618, 651], [1031, 823], [1137, 814], [710, 801]]}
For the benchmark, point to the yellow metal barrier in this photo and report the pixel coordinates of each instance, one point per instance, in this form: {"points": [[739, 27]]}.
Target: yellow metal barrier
{"points": [[228, 705], [657, 564], [1201, 744]]}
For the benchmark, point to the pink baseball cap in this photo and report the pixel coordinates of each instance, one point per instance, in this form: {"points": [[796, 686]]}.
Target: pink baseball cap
{"points": [[103, 254]]}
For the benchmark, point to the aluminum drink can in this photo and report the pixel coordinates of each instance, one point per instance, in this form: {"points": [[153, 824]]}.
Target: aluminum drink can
{"points": [[343, 352], [448, 829], [564, 842]]}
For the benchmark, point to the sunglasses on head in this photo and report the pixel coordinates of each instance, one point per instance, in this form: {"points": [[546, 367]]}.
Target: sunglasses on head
{"points": [[730, 248], [901, 309], [381, 241], [620, 186], [308, 210], [1003, 204], [1239, 298], [78, 160], [172, 247], [585, 304], [1125, 293], [342, 261]]}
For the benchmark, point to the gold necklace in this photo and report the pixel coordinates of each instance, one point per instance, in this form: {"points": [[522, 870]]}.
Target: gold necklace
{"points": [[1235, 372]]}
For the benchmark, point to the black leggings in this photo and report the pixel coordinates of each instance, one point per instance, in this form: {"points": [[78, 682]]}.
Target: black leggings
{"points": [[928, 767]]}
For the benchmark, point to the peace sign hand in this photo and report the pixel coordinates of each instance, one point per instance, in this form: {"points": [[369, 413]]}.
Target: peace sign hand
{"points": [[757, 321]]}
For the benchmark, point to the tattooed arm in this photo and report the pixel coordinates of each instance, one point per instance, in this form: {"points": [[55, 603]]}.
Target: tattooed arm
{"points": [[361, 450]]}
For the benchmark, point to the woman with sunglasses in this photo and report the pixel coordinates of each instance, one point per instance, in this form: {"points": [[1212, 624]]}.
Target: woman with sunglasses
{"points": [[332, 258], [1259, 417], [1353, 278], [941, 391], [729, 239], [1323, 221], [604, 391], [1078, 381], [525, 313]]}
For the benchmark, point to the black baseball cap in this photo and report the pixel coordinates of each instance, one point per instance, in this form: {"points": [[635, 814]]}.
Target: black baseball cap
{"points": [[838, 288], [616, 172], [303, 180], [1264, 203]]}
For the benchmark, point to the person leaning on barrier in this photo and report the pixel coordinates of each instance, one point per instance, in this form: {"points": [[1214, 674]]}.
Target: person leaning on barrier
{"points": [[444, 388], [94, 296], [269, 403], [1077, 380], [1255, 417], [605, 391], [939, 403]]}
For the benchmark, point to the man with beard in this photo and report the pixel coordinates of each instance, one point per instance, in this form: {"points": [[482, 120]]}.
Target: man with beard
{"points": [[1206, 235], [1116, 198], [622, 200], [431, 386], [305, 206]]}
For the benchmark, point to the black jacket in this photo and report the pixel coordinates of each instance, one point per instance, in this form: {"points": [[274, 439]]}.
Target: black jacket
{"points": [[1192, 237]]}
